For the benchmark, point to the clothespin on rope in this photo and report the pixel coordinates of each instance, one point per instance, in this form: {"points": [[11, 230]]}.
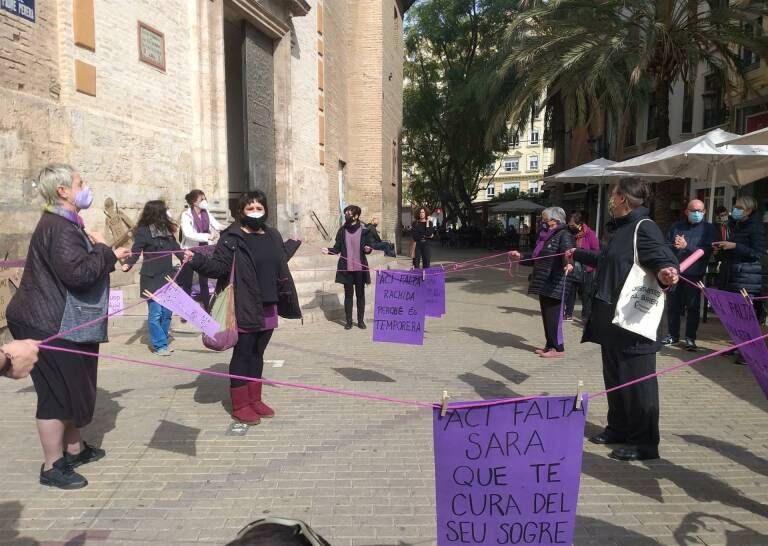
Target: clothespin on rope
{"points": [[148, 294], [423, 274], [701, 285], [745, 294], [444, 405], [579, 392]]}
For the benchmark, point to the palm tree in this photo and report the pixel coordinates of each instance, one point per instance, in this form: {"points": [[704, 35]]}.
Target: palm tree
{"points": [[608, 55]]}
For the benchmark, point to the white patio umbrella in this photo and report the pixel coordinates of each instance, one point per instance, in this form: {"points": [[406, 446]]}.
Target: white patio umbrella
{"points": [[599, 171], [701, 158], [759, 138]]}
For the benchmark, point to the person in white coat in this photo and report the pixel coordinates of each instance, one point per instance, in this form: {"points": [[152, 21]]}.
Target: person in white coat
{"points": [[198, 228]]}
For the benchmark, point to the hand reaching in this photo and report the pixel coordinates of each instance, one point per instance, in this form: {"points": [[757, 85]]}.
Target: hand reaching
{"points": [[668, 276]]}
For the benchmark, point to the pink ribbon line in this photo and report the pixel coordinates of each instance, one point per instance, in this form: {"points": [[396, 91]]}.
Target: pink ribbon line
{"points": [[367, 396], [13, 263]]}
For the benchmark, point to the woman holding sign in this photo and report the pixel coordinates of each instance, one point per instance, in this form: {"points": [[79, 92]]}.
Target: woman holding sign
{"points": [[264, 290], [65, 287], [549, 279], [353, 242], [633, 411], [154, 239]]}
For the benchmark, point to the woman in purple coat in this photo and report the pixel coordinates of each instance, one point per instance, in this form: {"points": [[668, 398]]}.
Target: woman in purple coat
{"points": [[583, 275]]}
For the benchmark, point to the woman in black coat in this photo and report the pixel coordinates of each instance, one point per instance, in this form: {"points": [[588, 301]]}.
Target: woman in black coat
{"points": [[353, 243], [633, 412], [549, 277], [422, 232], [154, 234], [264, 289]]}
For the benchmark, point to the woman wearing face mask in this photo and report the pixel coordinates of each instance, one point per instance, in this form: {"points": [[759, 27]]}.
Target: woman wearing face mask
{"points": [[353, 242], [198, 228], [422, 232], [741, 253], [154, 234], [550, 275], [264, 290], [582, 281], [633, 412], [65, 286]]}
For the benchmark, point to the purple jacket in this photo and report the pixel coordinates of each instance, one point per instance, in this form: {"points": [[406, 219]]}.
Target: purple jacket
{"points": [[588, 242]]}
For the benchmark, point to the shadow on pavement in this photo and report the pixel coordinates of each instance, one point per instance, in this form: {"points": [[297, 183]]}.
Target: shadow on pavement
{"points": [[737, 454], [498, 339], [697, 523], [644, 480], [361, 374], [105, 415], [507, 372], [736, 379], [519, 311], [10, 512], [488, 389], [209, 389], [175, 438], [594, 531]]}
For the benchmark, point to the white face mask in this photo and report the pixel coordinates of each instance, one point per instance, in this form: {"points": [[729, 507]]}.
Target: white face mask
{"points": [[168, 212], [255, 214], [203, 205]]}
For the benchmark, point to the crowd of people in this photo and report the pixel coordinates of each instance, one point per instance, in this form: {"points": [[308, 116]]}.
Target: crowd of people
{"points": [[65, 286]]}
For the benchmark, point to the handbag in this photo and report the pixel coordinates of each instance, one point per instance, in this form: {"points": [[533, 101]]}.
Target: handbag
{"points": [[577, 275], [223, 312], [641, 302]]}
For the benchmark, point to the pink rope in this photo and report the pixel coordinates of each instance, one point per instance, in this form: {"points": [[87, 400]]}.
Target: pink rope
{"points": [[13, 263]]}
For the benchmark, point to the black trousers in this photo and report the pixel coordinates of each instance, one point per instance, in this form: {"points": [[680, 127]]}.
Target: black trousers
{"points": [[248, 356], [684, 298], [185, 281], [584, 289], [422, 253], [350, 289], [633, 412], [550, 315]]}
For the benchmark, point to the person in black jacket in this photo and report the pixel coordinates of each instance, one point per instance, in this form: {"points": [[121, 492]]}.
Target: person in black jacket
{"points": [[422, 232], [550, 277], [154, 234], [353, 243], [264, 289], [633, 411], [742, 254]]}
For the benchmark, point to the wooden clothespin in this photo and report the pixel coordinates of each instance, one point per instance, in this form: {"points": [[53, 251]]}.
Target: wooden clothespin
{"points": [[148, 294], [423, 274], [745, 294], [579, 392], [701, 285], [444, 405], [169, 278]]}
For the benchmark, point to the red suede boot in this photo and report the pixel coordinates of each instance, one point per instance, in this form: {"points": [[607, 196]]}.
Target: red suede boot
{"points": [[254, 391], [241, 409]]}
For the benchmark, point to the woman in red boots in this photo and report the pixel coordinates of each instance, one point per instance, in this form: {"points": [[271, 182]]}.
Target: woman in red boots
{"points": [[264, 290]]}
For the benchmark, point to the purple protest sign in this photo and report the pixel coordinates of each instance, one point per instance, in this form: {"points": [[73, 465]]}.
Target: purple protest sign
{"points": [[398, 310], [435, 292], [738, 317], [172, 296], [116, 304], [509, 473]]}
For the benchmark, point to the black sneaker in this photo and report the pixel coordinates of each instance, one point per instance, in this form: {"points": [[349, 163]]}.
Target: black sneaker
{"points": [[348, 326], [89, 454], [62, 475], [669, 340], [690, 345], [361, 325]]}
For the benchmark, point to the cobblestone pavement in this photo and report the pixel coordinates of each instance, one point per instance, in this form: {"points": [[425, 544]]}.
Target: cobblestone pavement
{"points": [[361, 472]]}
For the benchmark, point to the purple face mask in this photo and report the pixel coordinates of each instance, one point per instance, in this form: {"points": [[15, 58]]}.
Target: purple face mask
{"points": [[84, 198]]}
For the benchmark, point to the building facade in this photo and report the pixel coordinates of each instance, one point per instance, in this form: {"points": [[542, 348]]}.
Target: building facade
{"points": [[299, 98]]}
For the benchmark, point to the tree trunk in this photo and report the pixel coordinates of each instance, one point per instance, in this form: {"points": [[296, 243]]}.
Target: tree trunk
{"points": [[662, 213]]}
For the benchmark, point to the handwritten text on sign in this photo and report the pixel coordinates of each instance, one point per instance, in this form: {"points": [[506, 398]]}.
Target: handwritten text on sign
{"points": [[509, 473], [116, 304], [398, 314], [738, 317], [172, 296], [435, 288]]}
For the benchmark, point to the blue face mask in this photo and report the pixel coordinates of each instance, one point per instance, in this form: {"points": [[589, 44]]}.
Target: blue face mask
{"points": [[737, 213], [695, 216]]}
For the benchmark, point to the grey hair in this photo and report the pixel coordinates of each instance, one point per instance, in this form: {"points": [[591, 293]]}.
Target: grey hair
{"points": [[51, 178], [748, 201], [555, 213]]}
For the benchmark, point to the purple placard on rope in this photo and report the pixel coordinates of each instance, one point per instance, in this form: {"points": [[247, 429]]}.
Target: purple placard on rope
{"points": [[398, 309]]}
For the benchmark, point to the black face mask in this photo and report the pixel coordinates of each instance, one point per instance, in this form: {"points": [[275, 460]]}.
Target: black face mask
{"points": [[574, 229], [349, 221], [254, 223]]}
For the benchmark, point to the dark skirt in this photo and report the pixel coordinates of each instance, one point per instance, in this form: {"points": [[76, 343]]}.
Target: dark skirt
{"points": [[65, 382]]}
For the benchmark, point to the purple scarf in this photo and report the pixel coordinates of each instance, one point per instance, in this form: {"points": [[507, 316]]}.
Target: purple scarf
{"points": [[544, 236], [68, 214], [201, 221]]}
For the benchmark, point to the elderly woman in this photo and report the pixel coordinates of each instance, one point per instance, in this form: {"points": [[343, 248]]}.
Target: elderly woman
{"points": [[65, 286], [633, 411], [741, 254], [549, 276]]}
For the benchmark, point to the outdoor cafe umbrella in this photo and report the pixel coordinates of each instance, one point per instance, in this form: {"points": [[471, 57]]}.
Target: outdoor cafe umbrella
{"points": [[759, 138], [518, 205], [599, 171], [701, 158]]}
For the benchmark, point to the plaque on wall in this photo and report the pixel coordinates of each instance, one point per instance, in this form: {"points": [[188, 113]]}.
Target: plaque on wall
{"points": [[151, 46], [20, 8]]}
